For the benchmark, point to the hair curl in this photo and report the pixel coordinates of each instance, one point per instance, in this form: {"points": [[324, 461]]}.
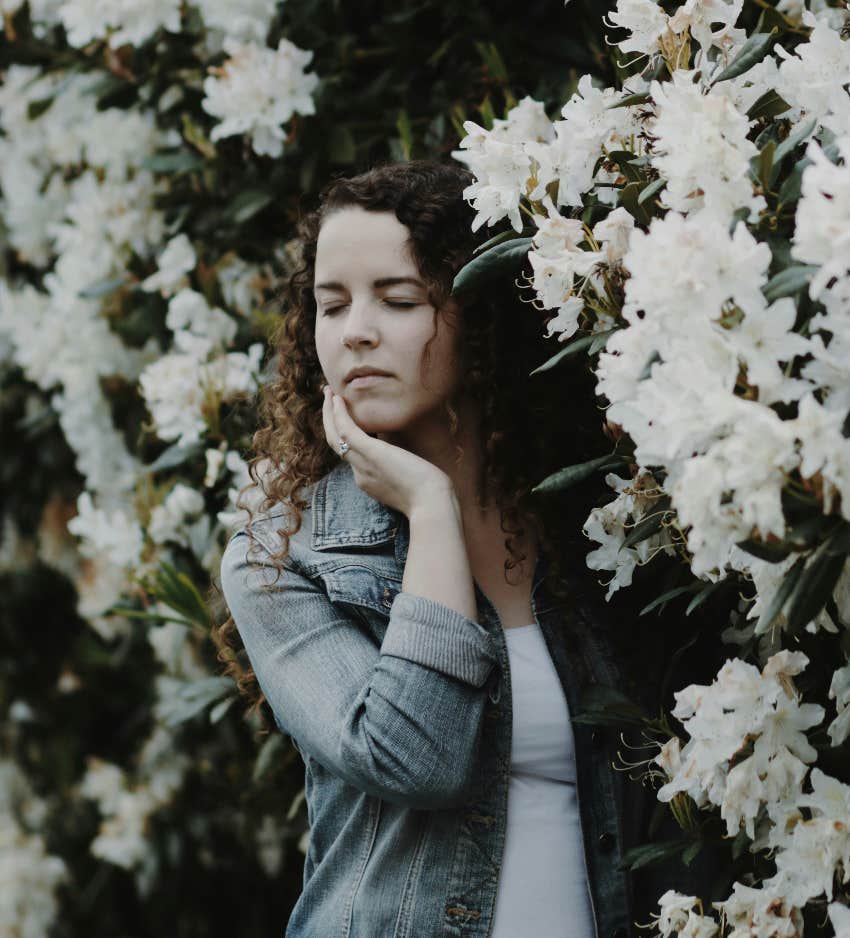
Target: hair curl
{"points": [[530, 426]]}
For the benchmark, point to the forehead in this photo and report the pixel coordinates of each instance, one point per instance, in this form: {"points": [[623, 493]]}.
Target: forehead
{"points": [[355, 243]]}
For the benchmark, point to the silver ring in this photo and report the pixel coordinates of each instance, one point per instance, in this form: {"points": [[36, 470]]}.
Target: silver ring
{"points": [[343, 447]]}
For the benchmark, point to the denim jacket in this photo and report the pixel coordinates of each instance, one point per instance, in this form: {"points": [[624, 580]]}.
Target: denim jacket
{"points": [[401, 710]]}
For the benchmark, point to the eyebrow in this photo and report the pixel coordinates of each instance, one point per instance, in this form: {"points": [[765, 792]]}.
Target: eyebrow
{"points": [[383, 282]]}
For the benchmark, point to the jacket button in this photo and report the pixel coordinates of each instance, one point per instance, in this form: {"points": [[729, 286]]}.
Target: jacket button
{"points": [[606, 840], [597, 739]]}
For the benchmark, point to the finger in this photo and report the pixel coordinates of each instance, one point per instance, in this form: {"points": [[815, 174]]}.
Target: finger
{"points": [[344, 422], [329, 422]]}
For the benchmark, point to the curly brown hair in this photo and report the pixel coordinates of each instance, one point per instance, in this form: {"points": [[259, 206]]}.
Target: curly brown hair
{"points": [[530, 426]]}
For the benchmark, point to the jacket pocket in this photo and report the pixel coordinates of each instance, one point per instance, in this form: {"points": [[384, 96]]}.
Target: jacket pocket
{"points": [[367, 592]]}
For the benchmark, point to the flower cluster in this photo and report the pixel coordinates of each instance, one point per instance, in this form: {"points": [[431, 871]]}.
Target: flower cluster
{"points": [[113, 297], [687, 232]]}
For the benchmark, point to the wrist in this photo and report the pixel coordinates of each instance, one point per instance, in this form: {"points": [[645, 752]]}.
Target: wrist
{"points": [[437, 501]]}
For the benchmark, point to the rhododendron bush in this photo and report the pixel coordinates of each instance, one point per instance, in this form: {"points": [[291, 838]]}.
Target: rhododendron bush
{"points": [[688, 230]]}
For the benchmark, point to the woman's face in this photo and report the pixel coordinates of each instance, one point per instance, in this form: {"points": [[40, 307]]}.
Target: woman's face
{"points": [[372, 310]]}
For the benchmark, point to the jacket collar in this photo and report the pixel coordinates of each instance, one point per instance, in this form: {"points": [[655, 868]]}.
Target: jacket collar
{"points": [[345, 516]]}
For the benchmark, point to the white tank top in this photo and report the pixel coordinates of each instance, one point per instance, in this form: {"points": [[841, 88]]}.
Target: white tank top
{"points": [[543, 888]]}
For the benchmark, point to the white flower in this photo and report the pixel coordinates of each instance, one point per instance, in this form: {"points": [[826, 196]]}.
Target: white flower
{"points": [[607, 525], [707, 171], [249, 20], [646, 21], [822, 219], [215, 460], [698, 16], [824, 449], [241, 284], [839, 691], [259, 89], [122, 21], [176, 260], [812, 78], [180, 387], [189, 311], [760, 913], [742, 706], [115, 534], [675, 909], [839, 915], [168, 520], [502, 169], [589, 125], [614, 233]]}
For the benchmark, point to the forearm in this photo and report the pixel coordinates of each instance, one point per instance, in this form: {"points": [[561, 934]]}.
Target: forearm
{"points": [[437, 565]]}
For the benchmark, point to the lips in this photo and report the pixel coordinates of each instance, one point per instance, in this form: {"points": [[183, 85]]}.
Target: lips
{"points": [[352, 375]]}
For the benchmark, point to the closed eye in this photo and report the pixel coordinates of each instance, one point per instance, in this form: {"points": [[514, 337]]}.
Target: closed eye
{"points": [[396, 304]]}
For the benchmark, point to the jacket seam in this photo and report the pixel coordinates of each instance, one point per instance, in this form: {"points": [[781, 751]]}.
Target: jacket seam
{"points": [[368, 853]]}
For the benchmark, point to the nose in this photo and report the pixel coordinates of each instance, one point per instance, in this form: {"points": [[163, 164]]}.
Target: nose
{"points": [[360, 327]]}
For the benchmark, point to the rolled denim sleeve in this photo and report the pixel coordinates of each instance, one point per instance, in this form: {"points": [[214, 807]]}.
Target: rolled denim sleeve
{"points": [[401, 721]]}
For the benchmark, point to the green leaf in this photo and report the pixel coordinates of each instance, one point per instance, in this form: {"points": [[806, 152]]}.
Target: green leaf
{"points": [[176, 454], [149, 616], [806, 533], [772, 552], [500, 259], [740, 843], [628, 198], [640, 97], [691, 851], [600, 340], [789, 281], [665, 598], [649, 854], [790, 143], [247, 204], [740, 214], [768, 105], [703, 595], [177, 591], [791, 188], [649, 191], [774, 607], [95, 290], [492, 60], [573, 348], [219, 710], [510, 234], [817, 580], [752, 52], [268, 751], [405, 133], [571, 475], [192, 699], [625, 161], [762, 164], [601, 704], [648, 526], [181, 161]]}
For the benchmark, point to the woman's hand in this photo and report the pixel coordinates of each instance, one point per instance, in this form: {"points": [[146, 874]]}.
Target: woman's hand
{"points": [[390, 474]]}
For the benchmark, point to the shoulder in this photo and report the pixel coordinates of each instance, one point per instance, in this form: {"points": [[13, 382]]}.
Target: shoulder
{"points": [[273, 530]]}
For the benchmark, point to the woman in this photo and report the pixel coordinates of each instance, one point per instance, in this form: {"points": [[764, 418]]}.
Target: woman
{"points": [[425, 665]]}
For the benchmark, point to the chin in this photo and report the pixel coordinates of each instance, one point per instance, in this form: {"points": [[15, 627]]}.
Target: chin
{"points": [[378, 416]]}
